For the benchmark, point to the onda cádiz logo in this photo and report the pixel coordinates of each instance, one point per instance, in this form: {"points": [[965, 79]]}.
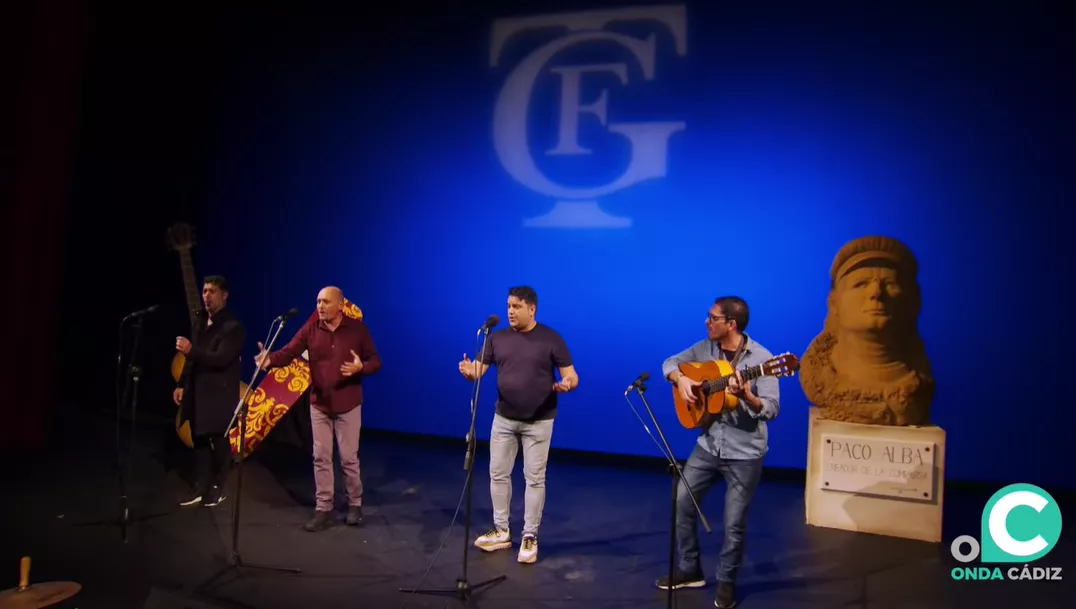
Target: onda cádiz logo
{"points": [[648, 140], [1021, 524]]}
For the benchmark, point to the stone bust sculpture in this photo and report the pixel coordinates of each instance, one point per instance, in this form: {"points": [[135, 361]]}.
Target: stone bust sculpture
{"points": [[869, 365]]}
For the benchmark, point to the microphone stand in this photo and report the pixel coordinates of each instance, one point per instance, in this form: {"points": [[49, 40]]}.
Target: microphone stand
{"points": [[235, 560], [130, 391], [464, 590], [675, 473]]}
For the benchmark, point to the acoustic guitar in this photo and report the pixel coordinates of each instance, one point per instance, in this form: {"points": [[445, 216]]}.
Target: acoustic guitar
{"points": [[711, 397], [180, 238]]}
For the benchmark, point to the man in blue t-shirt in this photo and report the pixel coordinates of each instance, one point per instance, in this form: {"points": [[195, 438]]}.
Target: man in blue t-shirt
{"points": [[526, 355]]}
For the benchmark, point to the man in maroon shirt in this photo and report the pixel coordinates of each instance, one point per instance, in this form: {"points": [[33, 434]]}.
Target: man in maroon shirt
{"points": [[341, 352]]}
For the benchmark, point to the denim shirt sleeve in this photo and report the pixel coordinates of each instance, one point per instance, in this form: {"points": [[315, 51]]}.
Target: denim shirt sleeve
{"points": [[694, 353], [768, 390]]}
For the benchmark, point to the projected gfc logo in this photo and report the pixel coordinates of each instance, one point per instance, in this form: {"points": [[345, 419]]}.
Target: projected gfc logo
{"points": [[648, 141], [1021, 523]]}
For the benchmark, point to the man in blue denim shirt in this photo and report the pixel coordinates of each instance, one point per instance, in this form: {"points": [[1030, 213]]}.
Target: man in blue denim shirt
{"points": [[732, 447]]}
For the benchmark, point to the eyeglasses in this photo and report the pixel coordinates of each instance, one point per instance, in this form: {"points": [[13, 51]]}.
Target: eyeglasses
{"points": [[717, 318]]}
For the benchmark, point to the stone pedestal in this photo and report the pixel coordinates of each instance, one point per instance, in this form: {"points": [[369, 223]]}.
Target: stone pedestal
{"points": [[876, 479]]}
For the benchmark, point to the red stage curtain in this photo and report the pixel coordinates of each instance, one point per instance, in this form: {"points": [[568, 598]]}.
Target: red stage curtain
{"points": [[49, 50]]}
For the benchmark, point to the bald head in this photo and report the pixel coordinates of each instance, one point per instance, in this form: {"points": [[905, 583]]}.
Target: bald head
{"points": [[330, 302], [333, 292]]}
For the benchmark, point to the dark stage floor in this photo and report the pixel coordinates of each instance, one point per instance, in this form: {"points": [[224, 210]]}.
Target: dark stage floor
{"points": [[603, 542]]}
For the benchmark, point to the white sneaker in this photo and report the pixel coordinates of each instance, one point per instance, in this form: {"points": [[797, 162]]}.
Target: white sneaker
{"points": [[494, 540], [528, 550]]}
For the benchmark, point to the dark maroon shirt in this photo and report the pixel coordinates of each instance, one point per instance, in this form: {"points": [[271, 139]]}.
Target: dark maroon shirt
{"points": [[330, 390]]}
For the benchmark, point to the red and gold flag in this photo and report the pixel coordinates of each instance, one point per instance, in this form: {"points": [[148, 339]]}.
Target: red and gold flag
{"points": [[276, 394]]}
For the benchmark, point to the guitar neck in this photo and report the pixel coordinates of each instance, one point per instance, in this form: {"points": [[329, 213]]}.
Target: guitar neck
{"points": [[190, 286], [748, 374]]}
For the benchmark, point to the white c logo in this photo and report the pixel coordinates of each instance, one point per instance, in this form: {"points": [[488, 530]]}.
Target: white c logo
{"points": [[1000, 533]]}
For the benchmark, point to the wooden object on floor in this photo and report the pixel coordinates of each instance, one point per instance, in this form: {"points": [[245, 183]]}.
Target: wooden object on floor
{"points": [[34, 596]]}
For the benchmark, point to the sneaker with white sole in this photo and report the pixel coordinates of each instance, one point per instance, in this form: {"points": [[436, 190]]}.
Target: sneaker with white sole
{"points": [[694, 579], [528, 549], [496, 539], [215, 496]]}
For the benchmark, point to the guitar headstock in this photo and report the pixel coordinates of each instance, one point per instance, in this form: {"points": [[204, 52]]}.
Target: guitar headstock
{"points": [[180, 237], [785, 364]]}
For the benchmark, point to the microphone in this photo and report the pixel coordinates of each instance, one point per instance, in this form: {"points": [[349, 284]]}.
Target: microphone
{"points": [[145, 311], [491, 322], [288, 315], [638, 383]]}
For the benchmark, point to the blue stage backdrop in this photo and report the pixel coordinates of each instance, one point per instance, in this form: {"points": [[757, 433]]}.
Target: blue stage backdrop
{"points": [[631, 163]]}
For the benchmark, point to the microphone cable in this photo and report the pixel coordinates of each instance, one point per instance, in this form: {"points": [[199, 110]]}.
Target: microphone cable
{"points": [[459, 504], [444, 541]]}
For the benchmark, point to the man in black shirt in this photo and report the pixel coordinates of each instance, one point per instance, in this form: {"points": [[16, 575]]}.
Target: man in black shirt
{"points": [[208, 389], [526, 355]]}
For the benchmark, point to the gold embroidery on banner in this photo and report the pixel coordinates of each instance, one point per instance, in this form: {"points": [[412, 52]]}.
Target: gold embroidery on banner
{"points": [[277, 412], [261, 418], [256, 397], [300, 376], [264, 412], [349, 309], [256, 418]]}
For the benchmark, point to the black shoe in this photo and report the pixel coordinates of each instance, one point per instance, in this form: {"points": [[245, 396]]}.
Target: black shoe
{"points": [[726, 595], [199, 493], [215, 496], [354, 515], [694, 579], [319, 522]]}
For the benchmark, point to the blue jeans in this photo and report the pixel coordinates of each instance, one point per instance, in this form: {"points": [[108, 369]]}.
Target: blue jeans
{"points": [[741, 478]]}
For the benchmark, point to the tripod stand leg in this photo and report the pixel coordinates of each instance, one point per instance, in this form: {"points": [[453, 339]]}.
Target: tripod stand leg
{"points": [[463, 592], [463, 589], [124, 521], [123, 466], [235, 561], [236, 564]]}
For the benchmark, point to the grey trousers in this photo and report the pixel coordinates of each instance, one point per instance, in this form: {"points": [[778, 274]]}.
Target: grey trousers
{"points": [[505, 438], [345, 430]]}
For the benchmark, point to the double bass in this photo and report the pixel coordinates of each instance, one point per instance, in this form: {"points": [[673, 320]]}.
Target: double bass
{"points": [[180, 238]]}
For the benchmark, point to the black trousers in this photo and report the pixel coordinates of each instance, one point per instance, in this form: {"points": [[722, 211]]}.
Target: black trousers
{"points": [[212, 462]]}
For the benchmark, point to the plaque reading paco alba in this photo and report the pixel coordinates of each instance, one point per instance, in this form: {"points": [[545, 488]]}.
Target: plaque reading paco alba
{"points": [[872, 466]]}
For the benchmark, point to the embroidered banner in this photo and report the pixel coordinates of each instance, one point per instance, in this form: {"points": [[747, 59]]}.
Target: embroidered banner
{"points": [[276, 394]]}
